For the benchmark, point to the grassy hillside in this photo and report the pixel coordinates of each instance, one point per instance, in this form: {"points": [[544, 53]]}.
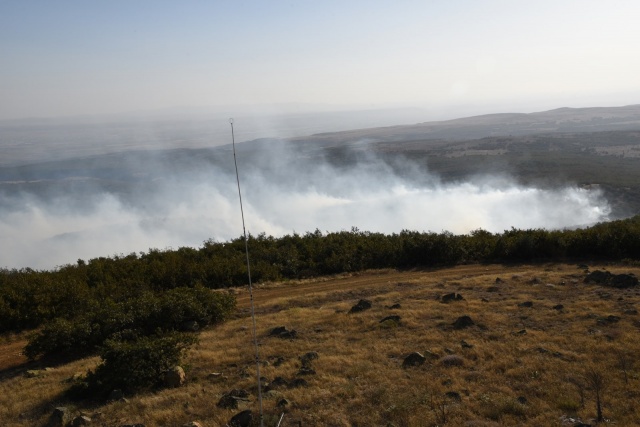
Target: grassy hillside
{"points": [[518, 364]]}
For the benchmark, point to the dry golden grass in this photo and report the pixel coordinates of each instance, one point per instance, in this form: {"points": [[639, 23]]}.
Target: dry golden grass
{"points": [[538, 354]]}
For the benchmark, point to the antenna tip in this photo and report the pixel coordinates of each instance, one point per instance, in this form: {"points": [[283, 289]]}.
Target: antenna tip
{"points": [[231, 120]]}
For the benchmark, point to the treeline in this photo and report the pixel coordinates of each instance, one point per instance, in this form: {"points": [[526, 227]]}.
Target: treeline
{"points": [[28, 298]]}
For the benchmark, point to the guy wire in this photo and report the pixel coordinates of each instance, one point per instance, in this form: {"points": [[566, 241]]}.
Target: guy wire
{"points": [[246, 248]]}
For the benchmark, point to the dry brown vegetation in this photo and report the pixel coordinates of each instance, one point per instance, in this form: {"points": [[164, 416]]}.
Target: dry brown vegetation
{"points": [[517, 365]]}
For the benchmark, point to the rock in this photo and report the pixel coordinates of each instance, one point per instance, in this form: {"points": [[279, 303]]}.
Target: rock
{"points": [[463, 322], [447, 298], [493, 289], [215, 376], [605, 278], [624, 281], [414, 359], [362, 305], [230, 399], [558, 307], [395, 319], [283, 332], [526, 304], [192, 424], [305, 370], [499, 280], [521, 332], [308, 357], [190, 326], [465, 344], [242, 419], [522, 400], [81, 420], [452, 360], [282, 403], [454, 396], [174, 377], [59, 417], [599, 277], [395, 306]]}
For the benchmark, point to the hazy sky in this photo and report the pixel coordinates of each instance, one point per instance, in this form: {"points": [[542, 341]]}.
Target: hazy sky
{"points": [[87, 57]]}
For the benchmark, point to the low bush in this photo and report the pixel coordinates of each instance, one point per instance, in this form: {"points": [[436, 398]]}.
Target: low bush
{"points": [[133, 366]]}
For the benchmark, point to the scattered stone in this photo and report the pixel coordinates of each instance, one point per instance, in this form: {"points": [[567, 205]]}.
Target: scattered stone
{"points": [[522, 400], [59, 417], [174, 377], [215, 376], [230, 399], [463, 322], [241, 419], [362, 305], [283, 332], [521, 332], [558, 307], [395, 319], [454, 396], [81, 420], [414, 359], [305, 370], [452, 360], [526, 304], [282, 403], [465, 344], [447, 298], [308, 357]]}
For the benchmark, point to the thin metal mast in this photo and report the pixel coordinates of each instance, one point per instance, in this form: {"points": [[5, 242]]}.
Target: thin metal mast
{"points": [[246, 248]]}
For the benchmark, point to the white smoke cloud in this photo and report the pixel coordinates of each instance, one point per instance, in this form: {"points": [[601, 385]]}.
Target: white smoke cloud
{"points": [[281, 195]]}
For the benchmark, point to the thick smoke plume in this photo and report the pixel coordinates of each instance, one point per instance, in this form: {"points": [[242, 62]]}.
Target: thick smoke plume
{"points": [[284, 191]]}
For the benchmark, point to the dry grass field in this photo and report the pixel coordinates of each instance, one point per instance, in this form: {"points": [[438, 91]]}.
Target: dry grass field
{"points": [[532, 364]]}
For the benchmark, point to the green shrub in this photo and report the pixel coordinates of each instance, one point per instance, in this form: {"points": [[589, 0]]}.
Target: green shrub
{"points": [[133, 366]]}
